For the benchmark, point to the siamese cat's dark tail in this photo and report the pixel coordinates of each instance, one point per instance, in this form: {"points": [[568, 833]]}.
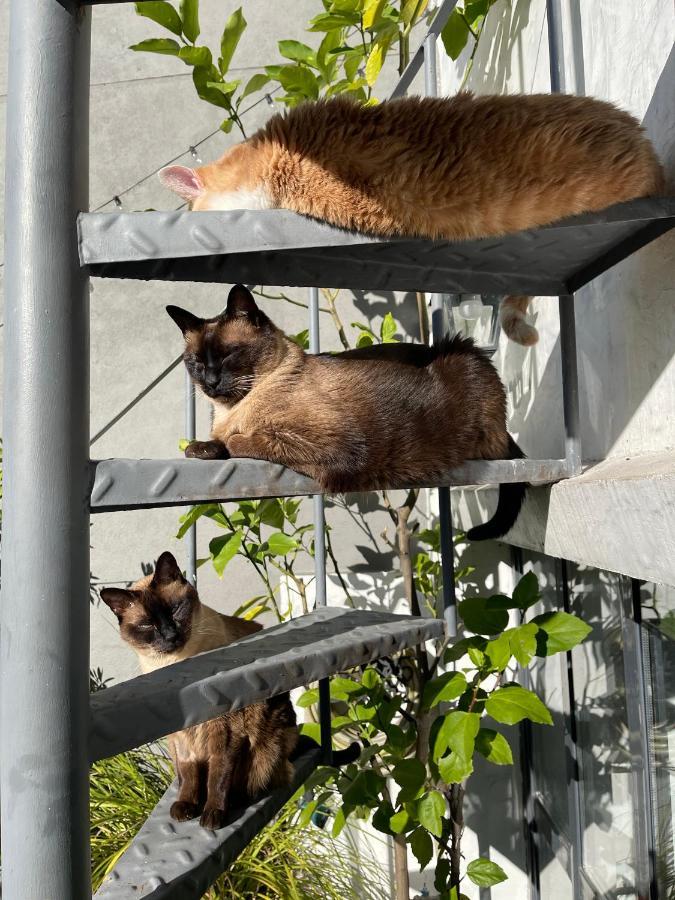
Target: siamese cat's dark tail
{"points": [[340, 757], [511, 498]]}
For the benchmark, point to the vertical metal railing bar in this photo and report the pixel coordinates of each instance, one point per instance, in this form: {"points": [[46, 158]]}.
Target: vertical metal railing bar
{"points": [[572, 748], [637, 705], [190, 433], [413, 67], [438, 331], [568, 348], [320, 548], [44, 653]]}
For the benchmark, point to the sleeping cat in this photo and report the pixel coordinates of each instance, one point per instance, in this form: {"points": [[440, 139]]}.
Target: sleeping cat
{"points": [[385, 416], [237, 756], [452, 168]]}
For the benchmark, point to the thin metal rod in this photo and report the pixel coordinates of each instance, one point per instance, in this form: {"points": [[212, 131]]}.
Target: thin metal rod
{"points": [[430, 74], [555, 46], [415, 63], [570, 384], [190, 434], [449, 590], [320, 548], [44, 658]]}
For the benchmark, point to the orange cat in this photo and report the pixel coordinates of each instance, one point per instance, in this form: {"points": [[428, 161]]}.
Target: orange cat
{"points": [[453, 168]]}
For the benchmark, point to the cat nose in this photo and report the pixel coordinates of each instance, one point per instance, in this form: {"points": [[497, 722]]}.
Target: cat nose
{"points": [[211, 377]]}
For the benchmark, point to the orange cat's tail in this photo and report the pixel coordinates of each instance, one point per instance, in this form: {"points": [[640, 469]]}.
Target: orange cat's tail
{"points": [[512, 313]]}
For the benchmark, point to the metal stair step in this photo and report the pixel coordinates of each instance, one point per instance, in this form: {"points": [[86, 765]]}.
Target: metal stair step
{"points": [[263, 665], [142, 483], [280, 247], [181, 859]]}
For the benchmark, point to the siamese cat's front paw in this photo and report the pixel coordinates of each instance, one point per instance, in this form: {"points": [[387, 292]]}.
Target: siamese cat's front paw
{"points": [[182, 810], [213, 818], [206, 450]]}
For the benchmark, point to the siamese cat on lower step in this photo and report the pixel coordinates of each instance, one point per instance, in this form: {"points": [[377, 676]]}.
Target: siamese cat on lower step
{"points": [[232, 759], [385, 416]]}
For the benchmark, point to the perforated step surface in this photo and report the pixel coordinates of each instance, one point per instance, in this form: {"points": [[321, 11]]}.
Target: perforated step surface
{"points": [[282, 248], [132, 483], [263, 665], [180, 859]]}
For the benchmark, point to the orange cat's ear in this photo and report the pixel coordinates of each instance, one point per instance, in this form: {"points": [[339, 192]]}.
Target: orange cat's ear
{"points": [[166, 570], [118, 600], [240, 303], [182, 181], [185, 320]]}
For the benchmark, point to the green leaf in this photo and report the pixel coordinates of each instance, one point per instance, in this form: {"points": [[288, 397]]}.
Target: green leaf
{"points": [[486, 615], [255, 83], [448, 687], [513, 703], [161, 12], [341, 688], [494, 747], [280, 544], [226, 125], [234, 28], [329, 21], [372, 12], [388, 329], [463, 647], [410, 775], [559, 631], [189, 13], [196, 56], [430, 812], [364, 340], [167, 46], [398, 821], [523, 642], [455, 34], [429, 536], [455, 768], [422, 847], [227, 551], [308, 698], [339, 822], [475, 9], [299, 80], [442, 874], [485, 873], [307, 812], [526, 592], [312, 730], [297, 51], [458, 732], [370, 678], [499, 651], [225, 87], [374, 64]]}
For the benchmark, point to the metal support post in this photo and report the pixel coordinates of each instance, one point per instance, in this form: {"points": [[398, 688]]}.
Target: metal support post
{"points": [[320, 549], [570, 384], [44, 654], [190, 434], [438, 331]]}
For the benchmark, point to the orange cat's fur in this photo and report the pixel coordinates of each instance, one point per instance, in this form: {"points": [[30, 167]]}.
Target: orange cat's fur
{"points": [[453, 168]]}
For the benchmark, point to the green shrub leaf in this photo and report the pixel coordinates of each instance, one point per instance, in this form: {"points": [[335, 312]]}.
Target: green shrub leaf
{"points": [[455, 768], [559, 631], [455, 35], [167, 46], [398, 821], [486, 615], [499, 651], [458, 732], [297, 51], [526, 592], [280, 543], [223, 550], [161, 12], [523, 642], [255, 83], [448, 687], [422, 847], [189, 13], [430, 811], [234, 28], [485, 873], [494, 747], [410, 775], [513, 703]]}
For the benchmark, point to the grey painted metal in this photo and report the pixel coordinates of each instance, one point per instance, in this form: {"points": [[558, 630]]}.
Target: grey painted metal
{"points": [[45, 607], [570, 385], [190, 434], [320, 546], [137, 483], [280, 247], [555, 45], [419, 57], [263, 665], [179, 860]]}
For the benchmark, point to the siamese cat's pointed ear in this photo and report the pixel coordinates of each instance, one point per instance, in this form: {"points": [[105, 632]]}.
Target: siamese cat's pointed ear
{"points": [[240, 304], [118, 599], [166, 570], [185, 320], [182, 181]]}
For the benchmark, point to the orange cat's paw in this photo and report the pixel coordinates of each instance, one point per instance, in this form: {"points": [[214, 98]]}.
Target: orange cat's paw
{"points": [[181, 811], [213, 819], [206, 450]]}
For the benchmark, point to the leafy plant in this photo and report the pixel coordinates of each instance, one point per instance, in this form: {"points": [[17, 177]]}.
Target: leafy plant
{"points": [[286, 859]]}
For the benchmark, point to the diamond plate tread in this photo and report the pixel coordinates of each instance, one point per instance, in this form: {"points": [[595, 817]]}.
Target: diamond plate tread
{"points": [[135, 483], [180, 860], [263, 665], [283, 248]]}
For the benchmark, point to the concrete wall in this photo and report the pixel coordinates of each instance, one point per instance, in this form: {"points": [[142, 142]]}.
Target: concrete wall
{"points": [[625, 322]]}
